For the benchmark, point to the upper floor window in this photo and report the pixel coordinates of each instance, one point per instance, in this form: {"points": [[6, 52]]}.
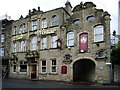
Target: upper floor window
{"points": [[54, 20], [70, 39], [77, 21], [34, 43], [90, 18], [22, 46], [3, 24], [101, 54], [54, 41], [44, 23], [2, 52], [2, 38], [15, 30], [34, 25], [21, 29], [44, 43], [23, 66], [14, 47], [24, 28], [99, 33], [68, 57]]}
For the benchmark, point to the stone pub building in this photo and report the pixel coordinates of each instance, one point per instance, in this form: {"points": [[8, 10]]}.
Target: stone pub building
{"points": [[65, 44]]}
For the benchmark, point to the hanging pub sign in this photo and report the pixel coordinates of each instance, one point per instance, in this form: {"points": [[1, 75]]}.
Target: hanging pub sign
{"points": [[59, 43], [83, 42]]}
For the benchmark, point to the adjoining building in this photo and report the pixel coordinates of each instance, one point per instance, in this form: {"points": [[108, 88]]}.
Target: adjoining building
{"points": [[62, 44], [5, 45]]}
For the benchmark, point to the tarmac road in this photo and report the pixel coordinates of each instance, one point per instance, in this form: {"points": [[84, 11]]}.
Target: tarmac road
{"points": [[12, 84]]}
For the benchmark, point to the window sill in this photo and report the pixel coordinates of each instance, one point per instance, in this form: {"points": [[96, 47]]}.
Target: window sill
{"points": [[53, 48], [33, 30], [67, 61], [43, 73], [54, 26], [13, 72], [53, 73], [69, 46], [44, 28], [100, 58], [43, 49], [22, 73]]}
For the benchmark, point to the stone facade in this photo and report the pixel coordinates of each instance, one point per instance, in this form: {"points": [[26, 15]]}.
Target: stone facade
{"points": [[5, 40], [62, 44]]}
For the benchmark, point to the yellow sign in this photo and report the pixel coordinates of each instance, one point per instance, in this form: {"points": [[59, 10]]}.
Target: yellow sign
{"points": [[17, 37], [43, 32]]}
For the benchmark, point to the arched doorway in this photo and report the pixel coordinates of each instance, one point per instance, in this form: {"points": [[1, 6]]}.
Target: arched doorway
{"points": [[84, 70]]}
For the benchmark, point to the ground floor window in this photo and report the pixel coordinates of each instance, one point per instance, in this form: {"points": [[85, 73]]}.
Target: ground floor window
{"points": [[14, 67], [23, 66], [54, 66], [44, 66]]}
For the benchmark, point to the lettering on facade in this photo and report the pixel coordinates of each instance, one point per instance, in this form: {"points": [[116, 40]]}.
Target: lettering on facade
{"points": [[44, 32], [17, 37]]}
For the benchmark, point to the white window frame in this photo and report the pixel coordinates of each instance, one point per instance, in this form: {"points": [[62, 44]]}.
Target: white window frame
{"points": [[99, 29], [43, 66], [2, 51], [54, 41], [70, 39], [34, 43], [23, 63], [2, 38], [44, 23], [34, 25], [53, 65], [44, 43]]}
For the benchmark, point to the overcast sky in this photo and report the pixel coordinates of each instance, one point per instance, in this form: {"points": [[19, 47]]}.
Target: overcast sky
{"points": [[16, 8]]}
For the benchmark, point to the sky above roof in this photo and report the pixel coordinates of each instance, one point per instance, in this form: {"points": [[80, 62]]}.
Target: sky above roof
{"points": [[16, 8]]}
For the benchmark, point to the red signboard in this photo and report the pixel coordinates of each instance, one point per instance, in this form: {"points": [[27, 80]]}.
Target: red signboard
{"points": [[64, 70], [83, 42]]}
